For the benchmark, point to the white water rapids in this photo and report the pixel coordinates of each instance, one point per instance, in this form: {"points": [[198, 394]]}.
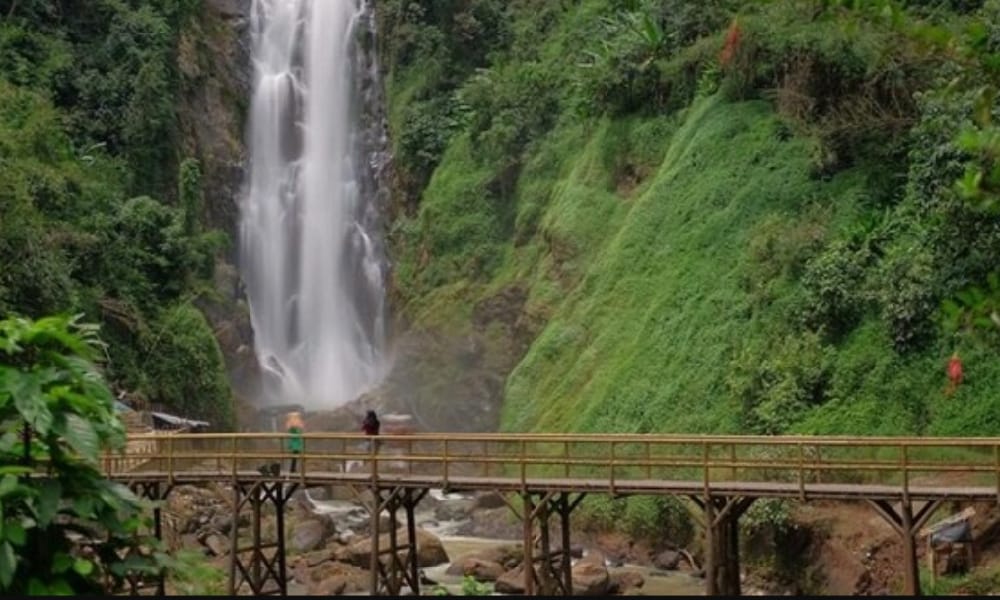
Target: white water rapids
{"points": [[309, 252]]}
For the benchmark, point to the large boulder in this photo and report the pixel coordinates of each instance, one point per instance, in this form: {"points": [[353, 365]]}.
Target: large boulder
{"points": [[430, 551], [477, 568], [310, 534], [511, 582], [216, 544], [590, 575], [507, 555], [626, 583], [488, 500], [668, 560], [334, 578]]}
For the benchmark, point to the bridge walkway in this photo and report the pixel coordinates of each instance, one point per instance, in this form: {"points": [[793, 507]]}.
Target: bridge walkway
{"points": [[905, 480]]}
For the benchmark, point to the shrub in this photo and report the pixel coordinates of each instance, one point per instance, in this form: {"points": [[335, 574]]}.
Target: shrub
{"points": [[186, 369]]}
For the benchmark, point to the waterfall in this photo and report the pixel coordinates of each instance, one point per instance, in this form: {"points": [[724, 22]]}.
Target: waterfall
{"points": [[310, 253]]}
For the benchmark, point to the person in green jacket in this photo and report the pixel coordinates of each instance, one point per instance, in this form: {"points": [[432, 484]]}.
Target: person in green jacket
{"points": [[295, 427]]}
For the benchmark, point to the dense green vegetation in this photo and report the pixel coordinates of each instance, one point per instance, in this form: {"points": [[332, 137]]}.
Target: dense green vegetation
{"points": [[728, 216], [99, 212], [57, 415], [64, 528]]}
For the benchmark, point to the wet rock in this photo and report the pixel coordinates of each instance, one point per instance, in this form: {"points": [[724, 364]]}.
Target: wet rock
{"points": [[668, 560]]}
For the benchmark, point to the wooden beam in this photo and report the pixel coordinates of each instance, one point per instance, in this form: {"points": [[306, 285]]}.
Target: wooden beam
{"points": [[885, 510]]}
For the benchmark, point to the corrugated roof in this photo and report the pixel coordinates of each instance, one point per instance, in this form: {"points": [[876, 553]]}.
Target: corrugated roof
{"points": [[178, 421]]}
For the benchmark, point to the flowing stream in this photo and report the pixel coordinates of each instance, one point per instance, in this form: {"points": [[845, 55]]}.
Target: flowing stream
{"points": [[310, 254]]}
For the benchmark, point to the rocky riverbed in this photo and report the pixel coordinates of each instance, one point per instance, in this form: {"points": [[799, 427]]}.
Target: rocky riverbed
{"points": [[459, 536]]}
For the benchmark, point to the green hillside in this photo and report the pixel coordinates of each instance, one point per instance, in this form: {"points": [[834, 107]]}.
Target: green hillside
{"points": [[739, 217]]}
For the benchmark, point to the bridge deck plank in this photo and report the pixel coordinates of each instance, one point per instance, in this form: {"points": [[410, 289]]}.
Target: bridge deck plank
{"points": [[624, 487]]}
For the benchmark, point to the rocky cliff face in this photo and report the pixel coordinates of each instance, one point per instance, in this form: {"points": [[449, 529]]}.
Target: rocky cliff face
{"points": [[216, 74]]}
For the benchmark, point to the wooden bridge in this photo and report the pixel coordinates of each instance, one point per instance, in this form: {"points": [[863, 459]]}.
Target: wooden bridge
{"points": [[905, 480]]}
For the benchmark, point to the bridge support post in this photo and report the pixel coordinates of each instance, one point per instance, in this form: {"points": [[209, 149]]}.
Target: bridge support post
{"points": [[907, 524], [264, 574], [390, 568], [157, 491], [546, 572], [720, 520]]}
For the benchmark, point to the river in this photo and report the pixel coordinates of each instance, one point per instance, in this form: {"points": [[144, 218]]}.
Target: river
{"points": [[351, 515]]}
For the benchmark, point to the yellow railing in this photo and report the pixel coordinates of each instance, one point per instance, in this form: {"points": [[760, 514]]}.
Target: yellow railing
{"points": [[609, 458]]}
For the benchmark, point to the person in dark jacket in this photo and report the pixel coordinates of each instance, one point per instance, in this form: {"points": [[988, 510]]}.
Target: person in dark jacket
{"points": [[371, 426]]}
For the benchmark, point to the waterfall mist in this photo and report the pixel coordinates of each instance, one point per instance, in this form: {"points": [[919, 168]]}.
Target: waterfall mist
{"points": [[310, 253]]}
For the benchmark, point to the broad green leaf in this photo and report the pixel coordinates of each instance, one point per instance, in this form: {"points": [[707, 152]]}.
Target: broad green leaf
{"points": [[81, 436], [84, 507], [31, 405], [8, 565], [61, 563], [61, 587], [7, 485], [49, 494], [121, 491], [14, 532], [37, 588], [15, 470], [83, 566]]}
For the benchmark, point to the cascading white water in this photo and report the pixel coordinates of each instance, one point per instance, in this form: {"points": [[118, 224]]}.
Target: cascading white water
{"points": [[310, 256]]}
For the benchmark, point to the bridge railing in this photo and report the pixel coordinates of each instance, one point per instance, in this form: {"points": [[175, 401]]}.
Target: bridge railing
{"points": [[610, 458]]}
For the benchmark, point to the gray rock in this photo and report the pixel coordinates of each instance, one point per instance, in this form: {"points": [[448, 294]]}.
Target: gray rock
{"points": [[511, 582], [217, 544], [477, 568], [221, 522], [310, 535], [668, 560], [489, 500]]}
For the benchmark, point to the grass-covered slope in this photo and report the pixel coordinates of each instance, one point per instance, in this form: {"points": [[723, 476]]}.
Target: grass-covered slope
{"points": [[645, 341], [661, 330], [736, 219]]}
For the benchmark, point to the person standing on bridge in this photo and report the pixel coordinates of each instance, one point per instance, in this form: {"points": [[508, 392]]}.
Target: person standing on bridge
{"points": [[371, 426], [294, 427]]}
